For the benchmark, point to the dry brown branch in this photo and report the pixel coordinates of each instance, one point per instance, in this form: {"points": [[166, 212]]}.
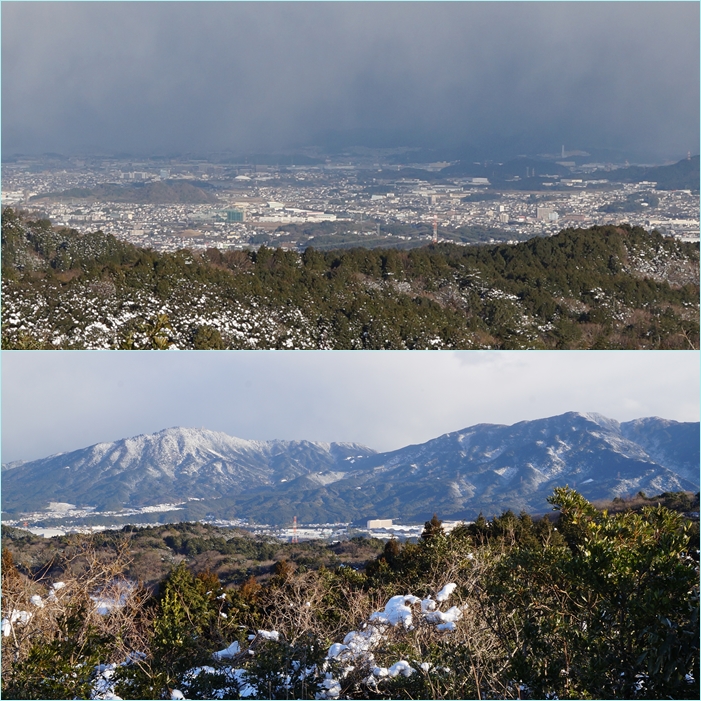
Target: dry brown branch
{"points": [[105, 601]]}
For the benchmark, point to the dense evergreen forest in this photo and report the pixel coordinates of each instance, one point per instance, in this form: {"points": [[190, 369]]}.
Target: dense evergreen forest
{"points": [[584, 603], [604, 287]]}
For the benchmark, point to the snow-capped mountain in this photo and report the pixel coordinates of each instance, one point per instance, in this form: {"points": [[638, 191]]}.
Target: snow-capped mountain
{"points": [[490, 468], [487, 468], [168, 466]]}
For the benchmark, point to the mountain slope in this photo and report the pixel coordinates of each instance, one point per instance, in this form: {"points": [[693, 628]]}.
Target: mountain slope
{"points": [[168, 192], [486, 468], [169, 466], [491, 468], [668, 443]]}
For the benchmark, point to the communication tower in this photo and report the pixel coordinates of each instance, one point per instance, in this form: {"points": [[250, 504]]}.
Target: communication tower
{"points": [[435, 228], [294, 530]]}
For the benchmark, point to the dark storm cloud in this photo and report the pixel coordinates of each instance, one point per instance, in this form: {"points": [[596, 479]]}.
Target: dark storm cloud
{"points": [[193, 76]]}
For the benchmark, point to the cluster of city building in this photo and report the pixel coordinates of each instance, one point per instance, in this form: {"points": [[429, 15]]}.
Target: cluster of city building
{"points": [[63, 518], [245, 204]]}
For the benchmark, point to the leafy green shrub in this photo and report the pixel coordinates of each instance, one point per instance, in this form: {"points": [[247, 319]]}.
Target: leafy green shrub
{"points": [[612, 614]]}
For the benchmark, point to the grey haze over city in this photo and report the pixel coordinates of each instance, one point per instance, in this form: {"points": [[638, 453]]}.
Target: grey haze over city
{"points": [[55, 402], [501, 77]]}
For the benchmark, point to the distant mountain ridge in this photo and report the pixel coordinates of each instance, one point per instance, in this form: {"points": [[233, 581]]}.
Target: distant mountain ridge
{"points": [[167, 466], [683, 175], [484, 468], [490, 467], [159, 192]]}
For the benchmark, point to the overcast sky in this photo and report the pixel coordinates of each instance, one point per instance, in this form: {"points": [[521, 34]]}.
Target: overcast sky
{"points": [[200, 76], [60, 401]]}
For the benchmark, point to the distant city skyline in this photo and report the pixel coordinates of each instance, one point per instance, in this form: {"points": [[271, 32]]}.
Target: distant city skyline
{"points": [[62, 401], [497, 77]]}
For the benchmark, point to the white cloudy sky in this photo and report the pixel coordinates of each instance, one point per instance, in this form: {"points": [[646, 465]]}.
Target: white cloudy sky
{"points": [[59, 401]]}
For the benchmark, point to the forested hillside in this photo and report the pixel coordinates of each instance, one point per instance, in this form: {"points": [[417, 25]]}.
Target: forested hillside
{"points": [[678, 176], [586, 604], [604, 287]]}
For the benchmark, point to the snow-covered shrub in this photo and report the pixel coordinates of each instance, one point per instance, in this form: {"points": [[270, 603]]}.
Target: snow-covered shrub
{"points": [[413, 648], [56, 634]]}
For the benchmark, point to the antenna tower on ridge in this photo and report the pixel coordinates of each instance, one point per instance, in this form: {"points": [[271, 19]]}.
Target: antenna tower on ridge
{"points": [[435, 228]]}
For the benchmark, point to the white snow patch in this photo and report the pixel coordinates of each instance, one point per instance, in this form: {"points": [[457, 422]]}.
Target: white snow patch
{"points": [[332, 688], [428, 605], [60, 506], [228, 652], [357, 647], [450, 616], [397, 611], [22, 617], [402, 667], [446, 626], [445, 593], [507, 472], [324, 478]]}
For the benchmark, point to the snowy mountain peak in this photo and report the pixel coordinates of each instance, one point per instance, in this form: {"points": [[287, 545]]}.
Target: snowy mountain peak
{"points": [[486, 467], [601, 420], [171, 464]]}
